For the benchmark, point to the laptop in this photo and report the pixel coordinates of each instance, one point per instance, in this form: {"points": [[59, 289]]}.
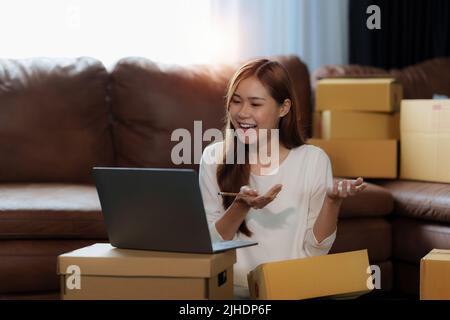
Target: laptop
{"points": [[156, 209]]}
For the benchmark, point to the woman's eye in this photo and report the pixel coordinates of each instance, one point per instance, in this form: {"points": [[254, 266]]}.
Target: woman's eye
{"points": [[236, 101], [256, 105]]}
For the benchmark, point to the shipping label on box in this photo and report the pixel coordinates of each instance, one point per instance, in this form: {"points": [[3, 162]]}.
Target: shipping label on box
{"points": [[425, 140], [370, 94]]}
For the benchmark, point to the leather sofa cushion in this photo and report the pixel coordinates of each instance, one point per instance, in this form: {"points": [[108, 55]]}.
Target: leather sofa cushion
{"points": [[420, 200], [30, 265], [53, 120], [150, 101], [413, 239], [51, 211], [423, 80], [375, 201], [372, 234]]}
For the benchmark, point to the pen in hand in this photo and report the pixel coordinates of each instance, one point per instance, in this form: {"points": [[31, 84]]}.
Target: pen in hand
{"points": [[232, 194]]}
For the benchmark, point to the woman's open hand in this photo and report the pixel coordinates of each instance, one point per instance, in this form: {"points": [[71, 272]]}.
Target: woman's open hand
{"points": [[342, 188], [251, 197]]}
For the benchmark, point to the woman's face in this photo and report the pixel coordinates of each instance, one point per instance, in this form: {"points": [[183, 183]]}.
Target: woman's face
{"points": [[252, 108]]}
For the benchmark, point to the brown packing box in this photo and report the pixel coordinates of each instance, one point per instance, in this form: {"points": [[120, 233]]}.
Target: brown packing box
{"points": [[435, 275], [340, 275], [359, 125], [370, 94], [395, 127], [360, 158], [111, 273], [317, 124], [425, 140]]}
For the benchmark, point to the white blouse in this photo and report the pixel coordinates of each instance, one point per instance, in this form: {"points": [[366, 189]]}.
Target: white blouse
{"points": [[283, 228]]}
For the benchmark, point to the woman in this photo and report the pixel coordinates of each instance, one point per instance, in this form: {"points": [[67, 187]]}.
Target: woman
{"points": [[291, 211]]}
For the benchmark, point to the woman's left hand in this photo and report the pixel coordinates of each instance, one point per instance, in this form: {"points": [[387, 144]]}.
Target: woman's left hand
{"points": [[342, 188]]}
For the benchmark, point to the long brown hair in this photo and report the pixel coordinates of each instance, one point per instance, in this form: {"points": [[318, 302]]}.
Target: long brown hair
{"points": [[277, 82]]}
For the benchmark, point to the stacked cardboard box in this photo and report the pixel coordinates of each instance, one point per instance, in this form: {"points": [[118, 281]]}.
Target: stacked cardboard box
{"points": [[425, 140], [357, 124]]}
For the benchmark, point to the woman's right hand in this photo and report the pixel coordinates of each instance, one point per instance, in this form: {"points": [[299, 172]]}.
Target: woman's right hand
{"points": [[252, 199]]}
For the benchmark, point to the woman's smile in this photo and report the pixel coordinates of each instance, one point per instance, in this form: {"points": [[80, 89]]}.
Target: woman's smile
{"points": [[245, 126]]}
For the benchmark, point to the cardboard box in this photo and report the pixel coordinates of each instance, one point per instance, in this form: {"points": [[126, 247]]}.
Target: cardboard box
{"points": [[425, 140], [338, 275], [361, 158], [395, 127], [110, 273], [370, 94], [358, 125], [317, 125], [435, 275]]}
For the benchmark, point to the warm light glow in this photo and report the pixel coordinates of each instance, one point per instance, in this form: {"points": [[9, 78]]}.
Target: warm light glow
{"points": [[169, 31]]}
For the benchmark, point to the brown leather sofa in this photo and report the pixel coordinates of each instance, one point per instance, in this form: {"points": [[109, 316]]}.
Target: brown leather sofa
{"points": [[421, 216], [59, 118]]}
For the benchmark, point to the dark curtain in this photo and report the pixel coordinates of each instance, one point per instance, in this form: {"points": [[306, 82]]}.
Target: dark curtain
{"points": [[411, 31]]}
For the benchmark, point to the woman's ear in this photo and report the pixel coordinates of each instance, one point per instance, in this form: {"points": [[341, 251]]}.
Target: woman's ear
{"points": [[285, 107]]}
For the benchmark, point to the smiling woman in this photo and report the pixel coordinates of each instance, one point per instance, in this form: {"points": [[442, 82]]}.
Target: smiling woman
{"points": [[290, 211], [169, 31]]}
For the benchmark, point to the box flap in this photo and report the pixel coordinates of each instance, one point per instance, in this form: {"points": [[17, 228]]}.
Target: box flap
{"points": [[438, 255], [104, 259]]}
